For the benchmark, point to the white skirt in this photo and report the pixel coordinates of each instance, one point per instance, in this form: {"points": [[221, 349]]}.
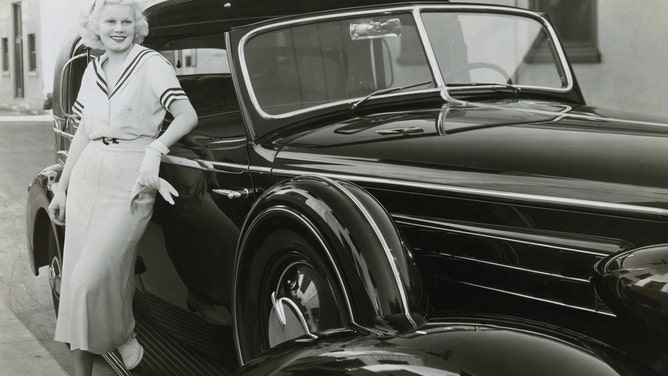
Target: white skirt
{"points": [[101, 236]]}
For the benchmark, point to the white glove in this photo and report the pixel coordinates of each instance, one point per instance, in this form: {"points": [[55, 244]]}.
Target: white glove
{"points": [[150, 165], [166, 190], [57, 207]]}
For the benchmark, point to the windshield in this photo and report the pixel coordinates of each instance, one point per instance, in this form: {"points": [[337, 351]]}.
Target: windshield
{"points": [[493, 48], [303, 65]]}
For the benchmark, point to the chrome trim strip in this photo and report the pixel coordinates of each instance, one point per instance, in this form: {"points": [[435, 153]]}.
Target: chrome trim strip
{"points": [[210, 166], [429, 50], [214, 166], [62, 76], [536, 299], [116, 364], [506, 266], [524, 197], [63, 133], [309, 225], [444, 226], [415, 10], [260, 170], [563, 114], [386, 247]]}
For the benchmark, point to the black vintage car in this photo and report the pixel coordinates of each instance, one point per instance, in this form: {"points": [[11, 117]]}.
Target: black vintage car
{"points": [[398, 189]]}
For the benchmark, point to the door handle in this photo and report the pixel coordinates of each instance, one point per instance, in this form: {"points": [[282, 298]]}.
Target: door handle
{"points": [[234, 193]]}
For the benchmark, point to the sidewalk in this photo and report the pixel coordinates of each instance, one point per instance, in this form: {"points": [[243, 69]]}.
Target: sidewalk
{"points": [[20, 352], [22, 118], [15, 117]]}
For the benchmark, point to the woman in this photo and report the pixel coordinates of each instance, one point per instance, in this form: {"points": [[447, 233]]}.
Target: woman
{"points": [[109, 182]]}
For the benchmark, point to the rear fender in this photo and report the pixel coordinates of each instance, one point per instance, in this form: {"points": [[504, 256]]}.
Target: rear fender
{"points": [[38, 223], [372, 262]]}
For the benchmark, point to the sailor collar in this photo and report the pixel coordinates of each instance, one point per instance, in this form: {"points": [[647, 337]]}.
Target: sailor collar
{"points": [[137, 56]]}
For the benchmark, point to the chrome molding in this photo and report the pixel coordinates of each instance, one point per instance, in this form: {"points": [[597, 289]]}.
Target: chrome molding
{"points": [[386, 248], [116, 364], [428, 49], [63, 133], [213, 166], [526, 198], [567, 115], [62, 76], [537, 299], [446, 227], [513, 267]]}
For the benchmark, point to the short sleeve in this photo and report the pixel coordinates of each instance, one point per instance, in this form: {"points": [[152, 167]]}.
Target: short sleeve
{"points": [[83, 97], [163, 81]]}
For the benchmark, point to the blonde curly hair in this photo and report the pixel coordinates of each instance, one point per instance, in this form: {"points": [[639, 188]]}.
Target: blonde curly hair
{"points": [[90, 37]]}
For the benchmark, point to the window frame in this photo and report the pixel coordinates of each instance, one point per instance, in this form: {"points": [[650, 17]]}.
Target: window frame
{"points": [[5, 54], [32, 52]]}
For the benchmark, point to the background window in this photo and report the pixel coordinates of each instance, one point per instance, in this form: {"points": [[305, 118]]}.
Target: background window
{"points": [[5, 54], [32, 53], [576, 23]]}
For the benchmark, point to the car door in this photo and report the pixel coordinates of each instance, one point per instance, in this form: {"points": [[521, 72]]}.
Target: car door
{"points": [[187, 253]]}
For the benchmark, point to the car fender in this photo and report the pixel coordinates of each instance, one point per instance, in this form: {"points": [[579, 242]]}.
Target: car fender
{"points": [[373, 264], [448, 349], [38, 223]]}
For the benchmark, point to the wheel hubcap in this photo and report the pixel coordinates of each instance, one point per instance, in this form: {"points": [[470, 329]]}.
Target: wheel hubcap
{"points": [[54, 275], [302, 304]]}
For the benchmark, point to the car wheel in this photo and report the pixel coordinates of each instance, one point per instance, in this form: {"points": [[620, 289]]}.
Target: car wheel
{"points": [[55, 270], [290, 292]]}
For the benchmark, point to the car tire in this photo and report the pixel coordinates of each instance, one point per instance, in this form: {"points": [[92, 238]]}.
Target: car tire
{"points": [[290, 292]]}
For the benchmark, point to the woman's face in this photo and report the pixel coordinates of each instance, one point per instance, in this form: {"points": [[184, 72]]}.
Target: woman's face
{"points": [[116, 27]]}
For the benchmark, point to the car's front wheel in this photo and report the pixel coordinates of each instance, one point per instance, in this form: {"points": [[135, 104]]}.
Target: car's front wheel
{"points": [[291, 292]]}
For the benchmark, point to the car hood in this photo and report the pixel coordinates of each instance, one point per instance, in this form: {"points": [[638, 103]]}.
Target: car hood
{"points": [[522, 147]]}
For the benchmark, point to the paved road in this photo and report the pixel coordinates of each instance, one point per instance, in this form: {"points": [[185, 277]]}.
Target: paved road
{"points": [[26, 146]]}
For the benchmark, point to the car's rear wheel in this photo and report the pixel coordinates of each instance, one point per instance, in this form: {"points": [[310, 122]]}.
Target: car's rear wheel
{"points": [[55, 270], [293, 290]]}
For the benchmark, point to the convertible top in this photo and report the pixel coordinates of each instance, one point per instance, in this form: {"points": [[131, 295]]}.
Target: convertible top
{"points": [[217, 16]]}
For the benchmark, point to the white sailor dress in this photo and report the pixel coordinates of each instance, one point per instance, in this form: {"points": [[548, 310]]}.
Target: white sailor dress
{"points": [[103, 226]]}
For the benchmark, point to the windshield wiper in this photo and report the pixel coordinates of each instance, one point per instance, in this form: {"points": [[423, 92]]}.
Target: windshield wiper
{"points": [[360, 102], [496, 86]]}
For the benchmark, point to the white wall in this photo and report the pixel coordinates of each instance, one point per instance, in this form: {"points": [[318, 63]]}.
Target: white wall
{"points": [[633, 43], [58, 18]]}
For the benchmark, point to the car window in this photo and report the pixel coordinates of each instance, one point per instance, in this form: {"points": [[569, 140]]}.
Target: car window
{"points": [[305, 65], [493, 48], [193, 61], [204, 74]]}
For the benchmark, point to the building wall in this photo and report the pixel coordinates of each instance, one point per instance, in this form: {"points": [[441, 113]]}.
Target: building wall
{"points": [[33, 96], [633, 72]]}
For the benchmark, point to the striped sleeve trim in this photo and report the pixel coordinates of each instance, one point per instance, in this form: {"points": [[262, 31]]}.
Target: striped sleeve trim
{"points": [[77, 108], [170, 95]]}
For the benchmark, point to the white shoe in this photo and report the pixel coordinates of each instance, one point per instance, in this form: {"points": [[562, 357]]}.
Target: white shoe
{"points": [[131, 352]]}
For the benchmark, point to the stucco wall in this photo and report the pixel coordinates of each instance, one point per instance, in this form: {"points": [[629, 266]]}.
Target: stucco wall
{"points": [[633, 72]]}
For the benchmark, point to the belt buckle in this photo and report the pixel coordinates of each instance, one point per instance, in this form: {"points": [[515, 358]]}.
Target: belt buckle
{"points": [[107, 140]]}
